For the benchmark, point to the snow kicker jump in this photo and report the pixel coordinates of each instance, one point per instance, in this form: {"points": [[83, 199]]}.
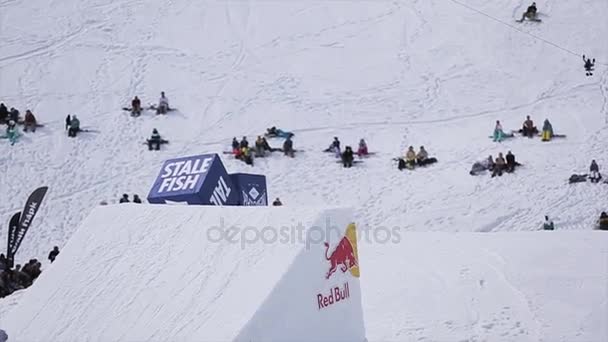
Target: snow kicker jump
{"points": [[195, 275]]}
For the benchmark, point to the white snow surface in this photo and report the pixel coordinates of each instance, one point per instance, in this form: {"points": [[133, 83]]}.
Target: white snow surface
{"points": [[162, 273], [397, 73]]}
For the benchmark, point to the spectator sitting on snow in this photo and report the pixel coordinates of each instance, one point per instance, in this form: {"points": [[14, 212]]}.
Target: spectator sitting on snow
{"points": [[362, 151], [594, 170], [277, 202], [548, 225], [603, 222], [136, 199], [124, 199], [499, 165]]}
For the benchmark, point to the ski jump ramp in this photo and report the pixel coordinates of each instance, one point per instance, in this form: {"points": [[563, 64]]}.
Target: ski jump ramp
{"points": [[192, 273]]}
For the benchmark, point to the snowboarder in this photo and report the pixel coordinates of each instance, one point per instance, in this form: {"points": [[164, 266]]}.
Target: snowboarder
{"points": [[362, 151], [124, 199], [589, 64], [499, 165], [155, 140], [409, 160], [246, 156], [244, 143], [347, 157], [594, 172], [530, 13], [163, 104], [14, 115], [478, 167], [277, 202], [136, 199], [30, 121], [136, 106], [528, 129], [603, 221], [11, 132], [335, 145], [3, 113], [266, 146], [53, 254], [511, 163], [271, 132], [547, 131], [288, 147], [548, 225], [259, 147], [421, 156], [74, 127], [498, 132], [235, 145], [68, 122]]}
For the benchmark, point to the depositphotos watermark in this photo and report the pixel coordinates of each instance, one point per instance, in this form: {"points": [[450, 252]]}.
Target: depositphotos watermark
{"points": [[298, 233]]}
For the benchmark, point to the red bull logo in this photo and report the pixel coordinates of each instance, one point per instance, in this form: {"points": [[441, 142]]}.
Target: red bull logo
{"points": [[344, 257]]}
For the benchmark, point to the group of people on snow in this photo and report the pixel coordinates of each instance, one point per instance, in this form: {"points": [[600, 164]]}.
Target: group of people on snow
{"points": [[412, 159], [12, 117], [527, 130], [125, 199], [162, 107], [72, 125], [18, 278], [242, 151], [496, 166]]}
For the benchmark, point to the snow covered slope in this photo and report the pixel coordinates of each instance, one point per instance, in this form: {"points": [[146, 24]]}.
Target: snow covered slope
{"points": [[134, 272], [515, 286], [430, 73], [436, 73], [161, 273]]}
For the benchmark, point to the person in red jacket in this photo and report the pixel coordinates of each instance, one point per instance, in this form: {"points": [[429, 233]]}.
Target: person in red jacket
{"points": [[30, 121]]}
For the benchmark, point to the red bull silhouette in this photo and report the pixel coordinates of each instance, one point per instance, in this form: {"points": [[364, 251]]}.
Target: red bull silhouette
{"points": [[343, 255]]}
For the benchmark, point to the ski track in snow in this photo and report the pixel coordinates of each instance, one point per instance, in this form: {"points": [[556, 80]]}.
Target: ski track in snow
{"points": [[383, 71]]}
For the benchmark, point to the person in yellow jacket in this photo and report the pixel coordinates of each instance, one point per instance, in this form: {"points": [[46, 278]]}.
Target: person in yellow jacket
{"points": [[410, 157]]}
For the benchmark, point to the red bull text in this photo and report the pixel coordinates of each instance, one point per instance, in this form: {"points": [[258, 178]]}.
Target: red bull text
{"points": [[335, 295]]}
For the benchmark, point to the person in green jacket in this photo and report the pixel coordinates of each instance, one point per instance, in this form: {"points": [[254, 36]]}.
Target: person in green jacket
{"points": [[12, 133], [155, 140]]}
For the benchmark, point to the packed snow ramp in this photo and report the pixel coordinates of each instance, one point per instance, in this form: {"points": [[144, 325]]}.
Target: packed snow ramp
{"points": [[185, 273]]}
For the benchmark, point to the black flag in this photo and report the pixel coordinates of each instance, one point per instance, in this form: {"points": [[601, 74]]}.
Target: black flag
{"points": [[13, 227], [27, 216]]}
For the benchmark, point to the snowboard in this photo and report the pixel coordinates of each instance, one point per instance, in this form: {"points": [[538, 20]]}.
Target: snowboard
{"points": [[21, 122], [162, 142], [355, 161]]}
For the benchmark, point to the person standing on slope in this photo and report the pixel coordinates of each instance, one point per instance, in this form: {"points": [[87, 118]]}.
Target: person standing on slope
{"points": [[163, 104]]}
